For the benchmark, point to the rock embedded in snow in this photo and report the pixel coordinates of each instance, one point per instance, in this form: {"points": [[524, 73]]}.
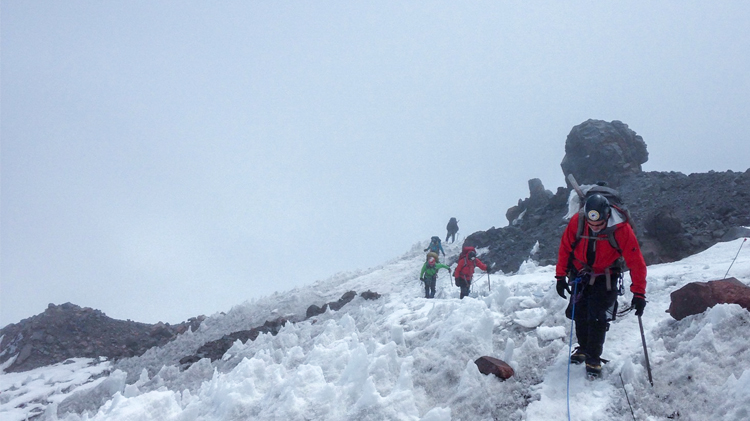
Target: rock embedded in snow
{"points": [[491, 365], [697, 297], [314, 310]]}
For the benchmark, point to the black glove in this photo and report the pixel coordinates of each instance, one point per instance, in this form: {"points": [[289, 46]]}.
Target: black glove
{"points": [[638, 303], [562, 286]]}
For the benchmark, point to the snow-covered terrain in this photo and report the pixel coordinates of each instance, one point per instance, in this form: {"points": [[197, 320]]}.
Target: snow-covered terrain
{"points": [[403, 357]]}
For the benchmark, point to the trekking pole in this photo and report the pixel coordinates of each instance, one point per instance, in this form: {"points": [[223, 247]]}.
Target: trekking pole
{"points": [[645, 352], [576, 281], [735, 257]]}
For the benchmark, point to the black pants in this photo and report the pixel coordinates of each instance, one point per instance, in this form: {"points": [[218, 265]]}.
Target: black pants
{"points": [[451, 235], [593, 311], [429, 287], [465, 285]]}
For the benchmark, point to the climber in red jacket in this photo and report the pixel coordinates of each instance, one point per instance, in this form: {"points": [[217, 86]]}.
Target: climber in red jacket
{"points": [[589, 256], [464, 272]]}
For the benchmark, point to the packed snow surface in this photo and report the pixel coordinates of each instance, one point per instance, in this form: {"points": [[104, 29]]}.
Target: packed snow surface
{"points": [[404, 357]]}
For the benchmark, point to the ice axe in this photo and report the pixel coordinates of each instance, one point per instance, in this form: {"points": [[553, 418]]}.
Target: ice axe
{"points": [[645, 352], [576, 187]]}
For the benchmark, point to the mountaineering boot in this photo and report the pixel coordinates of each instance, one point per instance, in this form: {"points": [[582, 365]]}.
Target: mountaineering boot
{"points": [[578, 356], [593, 368]]}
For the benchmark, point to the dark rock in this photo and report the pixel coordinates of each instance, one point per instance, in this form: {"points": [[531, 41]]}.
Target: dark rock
{"points": [[345, 299], [490, 365], [735, 233], [538, 196], [214, 350], [596, 150], [314, 310], [666, 229], [514, 212], [189, 360], [697, 297], [369, 295], [69, 331], [674, 215]]}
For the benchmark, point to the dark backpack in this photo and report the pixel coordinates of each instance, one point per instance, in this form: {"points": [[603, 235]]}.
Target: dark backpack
{"points": [[465, 251], [463, 260], [617, 205]]}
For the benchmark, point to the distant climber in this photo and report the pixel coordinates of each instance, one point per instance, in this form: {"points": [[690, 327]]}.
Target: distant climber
{"points": [[435, 246], [428, 275], [464, 272], [452, 228]]}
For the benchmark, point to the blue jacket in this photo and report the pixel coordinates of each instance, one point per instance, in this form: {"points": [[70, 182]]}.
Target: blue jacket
{"points": [[435, 247]]}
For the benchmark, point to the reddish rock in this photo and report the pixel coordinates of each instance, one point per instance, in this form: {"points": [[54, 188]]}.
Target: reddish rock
{"points": [[697, 297], [491, 365]]}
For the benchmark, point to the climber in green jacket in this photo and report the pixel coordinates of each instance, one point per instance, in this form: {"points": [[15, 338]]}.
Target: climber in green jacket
{"points": [[429, 275]]}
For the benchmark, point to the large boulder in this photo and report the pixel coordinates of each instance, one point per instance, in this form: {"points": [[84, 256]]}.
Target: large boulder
{"points": [[697, 297], [596, 150]]}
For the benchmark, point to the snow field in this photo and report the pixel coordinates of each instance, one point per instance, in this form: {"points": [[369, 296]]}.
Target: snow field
{"points": [[403, 357]]}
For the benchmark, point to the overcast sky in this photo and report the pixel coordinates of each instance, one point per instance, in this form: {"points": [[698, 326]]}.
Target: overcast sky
{"points": [[195, 149]]}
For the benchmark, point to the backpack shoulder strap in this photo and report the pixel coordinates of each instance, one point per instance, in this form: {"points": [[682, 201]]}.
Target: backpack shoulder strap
{"points": [[609, 232], [612, 240], [579, 235]]}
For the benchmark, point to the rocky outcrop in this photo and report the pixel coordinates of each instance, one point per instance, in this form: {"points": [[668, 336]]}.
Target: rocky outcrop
{"points": [[674, 215], [697, 297], [68, 331], [216, 349], [539, 198], [596, 150], [315, 310]]}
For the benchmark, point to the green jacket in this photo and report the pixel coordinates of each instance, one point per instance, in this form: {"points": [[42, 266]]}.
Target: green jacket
{"points": [[431, 272]]}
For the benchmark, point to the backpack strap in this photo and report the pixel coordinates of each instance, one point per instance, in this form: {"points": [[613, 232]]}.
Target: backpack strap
{"points": [[610, 232]]}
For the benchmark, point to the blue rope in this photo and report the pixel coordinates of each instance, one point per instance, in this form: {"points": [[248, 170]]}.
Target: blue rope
{"points": [[570, 340]]}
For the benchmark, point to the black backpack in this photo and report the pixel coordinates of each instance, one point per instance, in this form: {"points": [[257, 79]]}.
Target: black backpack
{"points": [[617, 205], [615, 202]]}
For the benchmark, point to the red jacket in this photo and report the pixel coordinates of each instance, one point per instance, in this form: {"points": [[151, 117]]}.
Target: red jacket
{"points": [[605, 253], [465, 268]]}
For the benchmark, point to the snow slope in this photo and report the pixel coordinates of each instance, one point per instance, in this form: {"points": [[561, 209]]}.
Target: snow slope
{"points": [[403, 357]]}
